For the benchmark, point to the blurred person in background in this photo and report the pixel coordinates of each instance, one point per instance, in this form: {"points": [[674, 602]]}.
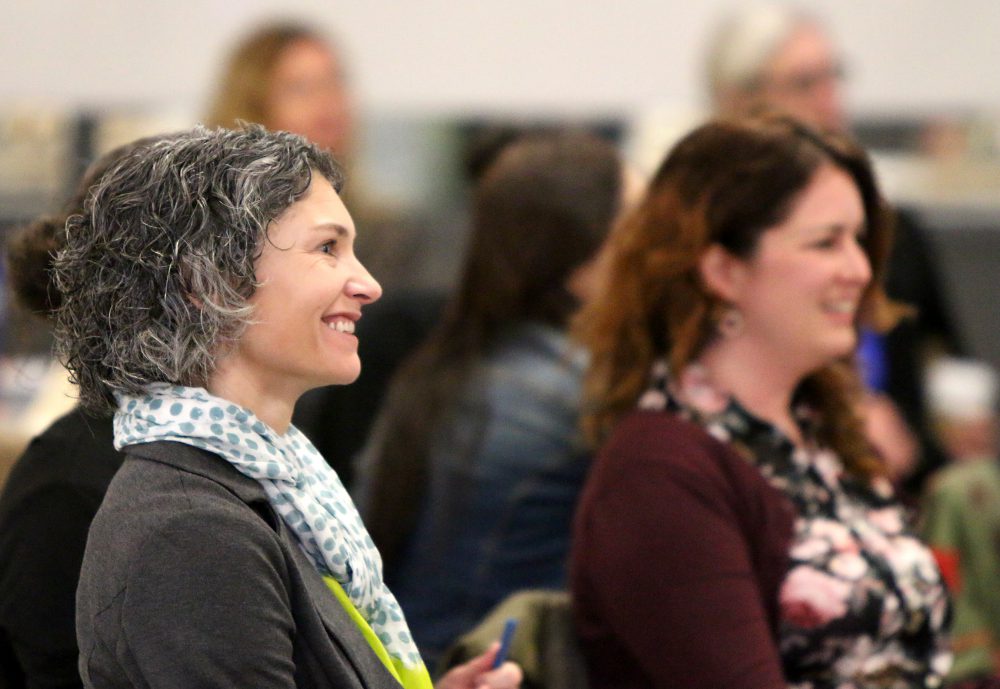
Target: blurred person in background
{"points": [[781, 57], [288, 77], [54, 489], [961, 512], [737, 528], [777, 57], [292, 77], [475, 463]]}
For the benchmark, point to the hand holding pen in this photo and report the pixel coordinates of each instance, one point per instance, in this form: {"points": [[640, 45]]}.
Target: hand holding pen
{"points": [[490, 670], [505, 638]]}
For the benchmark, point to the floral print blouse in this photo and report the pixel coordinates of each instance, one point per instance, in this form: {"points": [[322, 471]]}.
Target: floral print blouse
{"points": [[863, 604]]}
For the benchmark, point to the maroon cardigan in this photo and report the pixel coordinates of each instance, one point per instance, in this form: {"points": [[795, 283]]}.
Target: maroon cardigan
{"points": [[680, 546]]}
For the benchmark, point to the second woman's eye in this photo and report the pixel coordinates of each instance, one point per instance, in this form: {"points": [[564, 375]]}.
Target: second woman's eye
{"points": [[826, 242], [329, 247]]}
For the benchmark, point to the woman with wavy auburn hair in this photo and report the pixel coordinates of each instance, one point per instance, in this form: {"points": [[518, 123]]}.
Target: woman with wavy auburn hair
{"points": [[737, 529]]}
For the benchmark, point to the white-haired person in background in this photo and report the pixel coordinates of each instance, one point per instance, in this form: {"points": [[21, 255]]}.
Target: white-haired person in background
{"points": [[777, 56], [962, 512]]}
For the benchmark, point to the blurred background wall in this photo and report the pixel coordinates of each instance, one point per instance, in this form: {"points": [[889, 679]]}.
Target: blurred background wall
{"points": [[441, 56], [81, 76]]}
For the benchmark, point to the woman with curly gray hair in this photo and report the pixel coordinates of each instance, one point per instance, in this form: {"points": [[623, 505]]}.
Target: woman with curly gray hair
{"points": [[209, 282]]}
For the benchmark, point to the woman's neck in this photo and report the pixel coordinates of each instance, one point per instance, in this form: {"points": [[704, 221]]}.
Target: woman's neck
{"points": [[259, 397], [762, 384]]}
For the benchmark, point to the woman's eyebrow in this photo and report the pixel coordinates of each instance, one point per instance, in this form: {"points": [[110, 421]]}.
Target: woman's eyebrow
{"points": [[340, 230]]}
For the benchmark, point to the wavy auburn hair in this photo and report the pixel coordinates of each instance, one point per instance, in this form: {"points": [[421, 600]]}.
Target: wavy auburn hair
{"points": [[725, 183]]}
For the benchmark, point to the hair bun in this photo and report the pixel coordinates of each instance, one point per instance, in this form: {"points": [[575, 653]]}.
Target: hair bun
{"points": [[30, 252]]}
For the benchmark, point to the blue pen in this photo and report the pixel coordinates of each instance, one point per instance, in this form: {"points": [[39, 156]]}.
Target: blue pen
{"points": [[508, 633]]}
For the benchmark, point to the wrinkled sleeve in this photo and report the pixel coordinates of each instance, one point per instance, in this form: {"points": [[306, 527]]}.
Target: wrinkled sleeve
{"points": [[207, 605], [672, 572]]}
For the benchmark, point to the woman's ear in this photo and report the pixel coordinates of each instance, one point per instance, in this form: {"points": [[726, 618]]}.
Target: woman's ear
{"points": [[721, 272]]}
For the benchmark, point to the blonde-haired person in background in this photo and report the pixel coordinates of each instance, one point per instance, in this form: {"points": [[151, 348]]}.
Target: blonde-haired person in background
{"points": [[288, 76]]}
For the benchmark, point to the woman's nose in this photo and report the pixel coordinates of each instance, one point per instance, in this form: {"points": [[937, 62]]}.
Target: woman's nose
{"points": [[857, 267], [363, 287]]}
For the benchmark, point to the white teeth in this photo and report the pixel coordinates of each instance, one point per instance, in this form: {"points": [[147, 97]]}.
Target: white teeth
{"points": [[341, 326], [841, 307]]}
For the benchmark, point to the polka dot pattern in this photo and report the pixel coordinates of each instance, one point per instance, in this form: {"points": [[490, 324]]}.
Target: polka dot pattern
{"points": [[301, 486]]}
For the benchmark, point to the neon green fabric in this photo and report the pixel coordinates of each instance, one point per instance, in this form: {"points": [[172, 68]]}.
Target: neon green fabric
{"points": [[410, 678]]}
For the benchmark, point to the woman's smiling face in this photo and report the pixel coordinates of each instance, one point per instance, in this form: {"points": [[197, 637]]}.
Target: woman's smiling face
{"points": [[310, 294], [800, 291]]}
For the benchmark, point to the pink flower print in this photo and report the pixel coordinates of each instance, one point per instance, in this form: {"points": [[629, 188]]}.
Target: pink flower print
{"points": [[882, 487], [699, 392], [850, 566], [836, 533], [810, 549], [939, 611], [941, 662], [888, 520], [802, 457], [890, 622], [873, 540], [719, 432], [851, 663], [828, 467], [811, 599], [817, 538], [914, 567], [653, 400]]}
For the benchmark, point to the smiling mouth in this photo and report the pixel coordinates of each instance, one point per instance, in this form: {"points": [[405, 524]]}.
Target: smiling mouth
{"points": [[341, 326], [842, 307]]}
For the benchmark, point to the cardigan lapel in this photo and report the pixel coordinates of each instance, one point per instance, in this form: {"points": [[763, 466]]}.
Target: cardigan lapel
{"points": [[339, 626], [336, 620]]}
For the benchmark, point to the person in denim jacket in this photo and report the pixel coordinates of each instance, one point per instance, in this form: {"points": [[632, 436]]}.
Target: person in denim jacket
{"points": [[471, 475]]}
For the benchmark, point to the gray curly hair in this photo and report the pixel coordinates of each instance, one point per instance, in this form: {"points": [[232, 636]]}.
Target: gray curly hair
{"points": [[156, 273]]}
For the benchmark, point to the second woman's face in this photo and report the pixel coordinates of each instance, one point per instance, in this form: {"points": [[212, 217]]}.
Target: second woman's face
{"points": [[312, 289], [800, 292], [308, 95]]}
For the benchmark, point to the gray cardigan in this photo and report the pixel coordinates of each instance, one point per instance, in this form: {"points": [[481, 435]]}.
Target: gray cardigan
{"points": [[191, 580]]}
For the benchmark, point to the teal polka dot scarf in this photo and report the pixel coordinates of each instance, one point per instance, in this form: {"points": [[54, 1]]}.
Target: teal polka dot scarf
{"points": [[302, 488]]}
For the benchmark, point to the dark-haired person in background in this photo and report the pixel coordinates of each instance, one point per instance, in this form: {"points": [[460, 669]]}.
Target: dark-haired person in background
{"points": [[475, 463], [54, 489]]}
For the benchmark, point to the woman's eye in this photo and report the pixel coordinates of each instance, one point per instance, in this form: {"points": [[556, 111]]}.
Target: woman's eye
{"points": [[328, 247]]}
